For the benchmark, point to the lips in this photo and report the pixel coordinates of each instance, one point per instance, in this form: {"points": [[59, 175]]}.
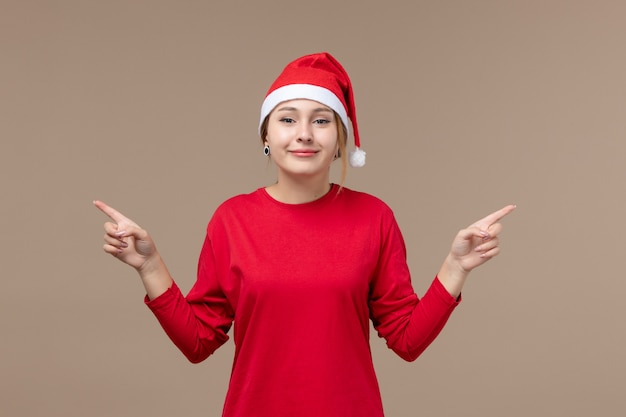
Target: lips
{"points": [[303, 152]]}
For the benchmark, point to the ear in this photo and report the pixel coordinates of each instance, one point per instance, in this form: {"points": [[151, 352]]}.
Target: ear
{"points": [[337, 152]]}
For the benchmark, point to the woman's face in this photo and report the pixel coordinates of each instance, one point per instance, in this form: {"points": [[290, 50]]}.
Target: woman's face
{"points": [[302, 136]]}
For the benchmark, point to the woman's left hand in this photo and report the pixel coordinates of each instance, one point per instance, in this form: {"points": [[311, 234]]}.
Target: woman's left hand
{"points": [[479, 242]]}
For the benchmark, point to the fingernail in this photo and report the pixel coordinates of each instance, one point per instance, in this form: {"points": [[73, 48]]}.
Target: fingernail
{"points": [[121, 233]]}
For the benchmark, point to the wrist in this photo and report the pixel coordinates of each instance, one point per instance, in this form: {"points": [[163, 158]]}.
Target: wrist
{"points": [[153, 266], [454, 268], [452, 276], [155, 277]]}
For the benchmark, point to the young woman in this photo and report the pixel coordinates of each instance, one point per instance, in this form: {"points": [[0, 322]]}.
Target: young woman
{"points": [[302, 265]]}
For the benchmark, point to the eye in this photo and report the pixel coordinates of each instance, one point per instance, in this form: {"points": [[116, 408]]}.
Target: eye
{"points": [[321, 121], [287, 120]]}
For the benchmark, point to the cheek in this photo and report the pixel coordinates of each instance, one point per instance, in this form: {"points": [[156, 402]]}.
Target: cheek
{"points": [[276, 135], [330, 140]]}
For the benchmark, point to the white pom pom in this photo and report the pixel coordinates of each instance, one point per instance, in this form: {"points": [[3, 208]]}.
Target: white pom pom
{"points": [[357, 158]]}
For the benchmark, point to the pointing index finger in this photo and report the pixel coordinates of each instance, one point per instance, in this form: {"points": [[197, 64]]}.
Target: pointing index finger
{"points": [[495, 217], [115, 215]]}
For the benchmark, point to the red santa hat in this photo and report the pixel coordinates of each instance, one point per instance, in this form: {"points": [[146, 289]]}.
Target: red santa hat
{"points": [[318, 77]]}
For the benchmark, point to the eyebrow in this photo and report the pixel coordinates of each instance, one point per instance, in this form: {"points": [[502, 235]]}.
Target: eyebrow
{"points": [[316, 110]]}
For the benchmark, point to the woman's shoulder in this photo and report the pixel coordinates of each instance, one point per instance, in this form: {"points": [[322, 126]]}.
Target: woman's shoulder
{"points": [[365, 205], [241, 201], [235, 209], [364, 201]]}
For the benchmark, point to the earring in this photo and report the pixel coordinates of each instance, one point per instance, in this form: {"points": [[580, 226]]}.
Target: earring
{"points": [[338, 154], [266, 150]]}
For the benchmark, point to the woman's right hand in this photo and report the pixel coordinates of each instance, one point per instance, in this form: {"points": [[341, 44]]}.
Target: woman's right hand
{"points": [[125, 240]]}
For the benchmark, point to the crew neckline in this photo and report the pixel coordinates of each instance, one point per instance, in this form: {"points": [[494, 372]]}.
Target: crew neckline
{"points": [[330, 194]]}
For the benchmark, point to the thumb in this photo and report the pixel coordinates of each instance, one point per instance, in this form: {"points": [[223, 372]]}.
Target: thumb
{"points": [[131, 229], [473, 231]]}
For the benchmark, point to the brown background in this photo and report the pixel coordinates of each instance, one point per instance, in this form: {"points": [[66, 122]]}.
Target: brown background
{"points": [[464, 106]]}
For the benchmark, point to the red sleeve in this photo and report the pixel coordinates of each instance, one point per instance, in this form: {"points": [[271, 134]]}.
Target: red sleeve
{"points": [[408, 324], [199, 323]]}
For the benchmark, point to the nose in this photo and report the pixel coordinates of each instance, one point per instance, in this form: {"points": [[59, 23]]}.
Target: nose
{"points": [[305, 134]]}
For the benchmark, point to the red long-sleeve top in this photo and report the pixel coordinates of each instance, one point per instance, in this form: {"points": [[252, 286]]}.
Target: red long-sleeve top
{"points": [[301, 282]]}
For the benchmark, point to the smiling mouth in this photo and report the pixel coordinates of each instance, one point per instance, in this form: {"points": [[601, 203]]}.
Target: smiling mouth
{"points": [[303, 153]]}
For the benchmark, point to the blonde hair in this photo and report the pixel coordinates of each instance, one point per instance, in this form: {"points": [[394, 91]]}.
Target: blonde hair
{"points": [[342, 142]]}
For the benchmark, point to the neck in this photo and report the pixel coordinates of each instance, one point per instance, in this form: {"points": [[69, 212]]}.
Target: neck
{"points": [[299, 190]]}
